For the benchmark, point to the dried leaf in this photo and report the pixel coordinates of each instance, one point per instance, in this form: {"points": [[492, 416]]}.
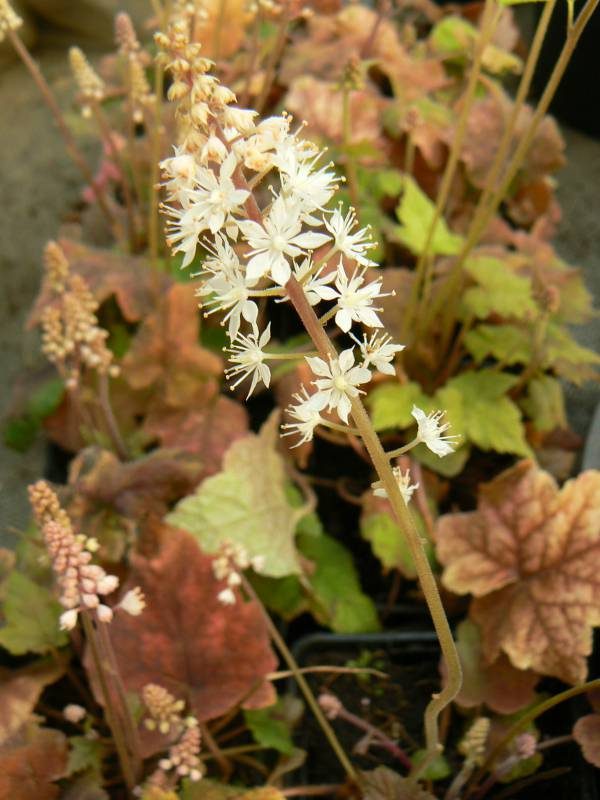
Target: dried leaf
{"points": [[207, 432], [212, 655], [529, 555], [30, 762], [165, 353], [246, 503], [129, 278], [320, 104], [19, 692], [100, 482], [586, 733], [383, 783], [499, 685]]}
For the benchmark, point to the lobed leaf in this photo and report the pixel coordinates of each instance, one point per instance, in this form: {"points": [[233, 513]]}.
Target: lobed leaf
{"points": [[246, 503], [530, 555], [212, 655], [499, 290], [415, 213], [31, 614]]}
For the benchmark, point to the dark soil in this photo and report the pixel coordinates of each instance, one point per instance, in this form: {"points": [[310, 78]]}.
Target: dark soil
{"points": [[396, 706]]}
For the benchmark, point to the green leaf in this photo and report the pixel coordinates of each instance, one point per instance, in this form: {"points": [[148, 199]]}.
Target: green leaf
{"points": [[389, 543], [31, 615], [500, 290], [392, 403], [569, 359], [85, 754], [508, 344], [415, 213], [436, 770], [545, 403], [449, 466], [284, 596], [119, 339], [246, 504], [491, 420], [337, 598], [270, 728], [453, 37], [46, 399], [19, 433], [390, 182]]}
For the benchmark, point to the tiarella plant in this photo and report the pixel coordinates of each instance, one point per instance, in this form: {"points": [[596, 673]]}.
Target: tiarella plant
{"points": [[389, 293]]}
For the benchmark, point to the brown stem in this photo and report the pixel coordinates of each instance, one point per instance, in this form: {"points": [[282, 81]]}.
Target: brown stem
{"points": [[276, 53], [108, 137], [71, 145], [112, 718], [217, 753], [378, 735], [111, 422], [311, 791]]}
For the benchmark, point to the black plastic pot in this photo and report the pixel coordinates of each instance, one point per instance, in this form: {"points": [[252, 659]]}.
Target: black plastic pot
{"points": [[419, 650]]}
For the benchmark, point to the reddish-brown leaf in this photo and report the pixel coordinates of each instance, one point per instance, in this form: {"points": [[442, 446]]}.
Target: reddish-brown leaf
{"points": [[134, 488], [502, 687], [19, 692], [586, 733], [165, 353], [30, 762], [212, 655], [130, 279], [207, 432], [531, 556]]}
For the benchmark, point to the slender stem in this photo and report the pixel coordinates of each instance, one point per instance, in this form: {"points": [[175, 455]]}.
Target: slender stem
{"points": [[526, 719], [153, 210], [350, 163], [129, 726], [71, 145], [108, 137], [312, 791], [376, 734], [217, 753], [450, 292], [491, 15], [114, 723], [347, 429], [399, 451], [111, 422], [216, 42], [275, 55], [427, 580], [304, 687], [286, 673]]}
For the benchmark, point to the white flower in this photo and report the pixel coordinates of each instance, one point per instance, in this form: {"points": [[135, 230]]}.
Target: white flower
{"points": [[68, 619], [379, 351], [248, 357], [229, 287], [338, 382], [74, 713], [430, 432], [104, 613], [226, 596], [280, 236], [301, 184], [352, 245], [403, 480], [315, 287], [306, 415], [209, 204], [133, 602], [355, 300]]}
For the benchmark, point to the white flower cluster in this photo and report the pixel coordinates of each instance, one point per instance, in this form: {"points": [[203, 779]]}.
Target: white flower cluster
{"points": [[257, 198], [228, 565]]}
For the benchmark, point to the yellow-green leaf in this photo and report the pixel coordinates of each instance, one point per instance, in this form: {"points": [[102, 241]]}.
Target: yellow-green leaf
{"points": [[31, 613], [415, 213], [246, 503], [545, 403], [500, 289], [509, 344], [392, 403]]}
